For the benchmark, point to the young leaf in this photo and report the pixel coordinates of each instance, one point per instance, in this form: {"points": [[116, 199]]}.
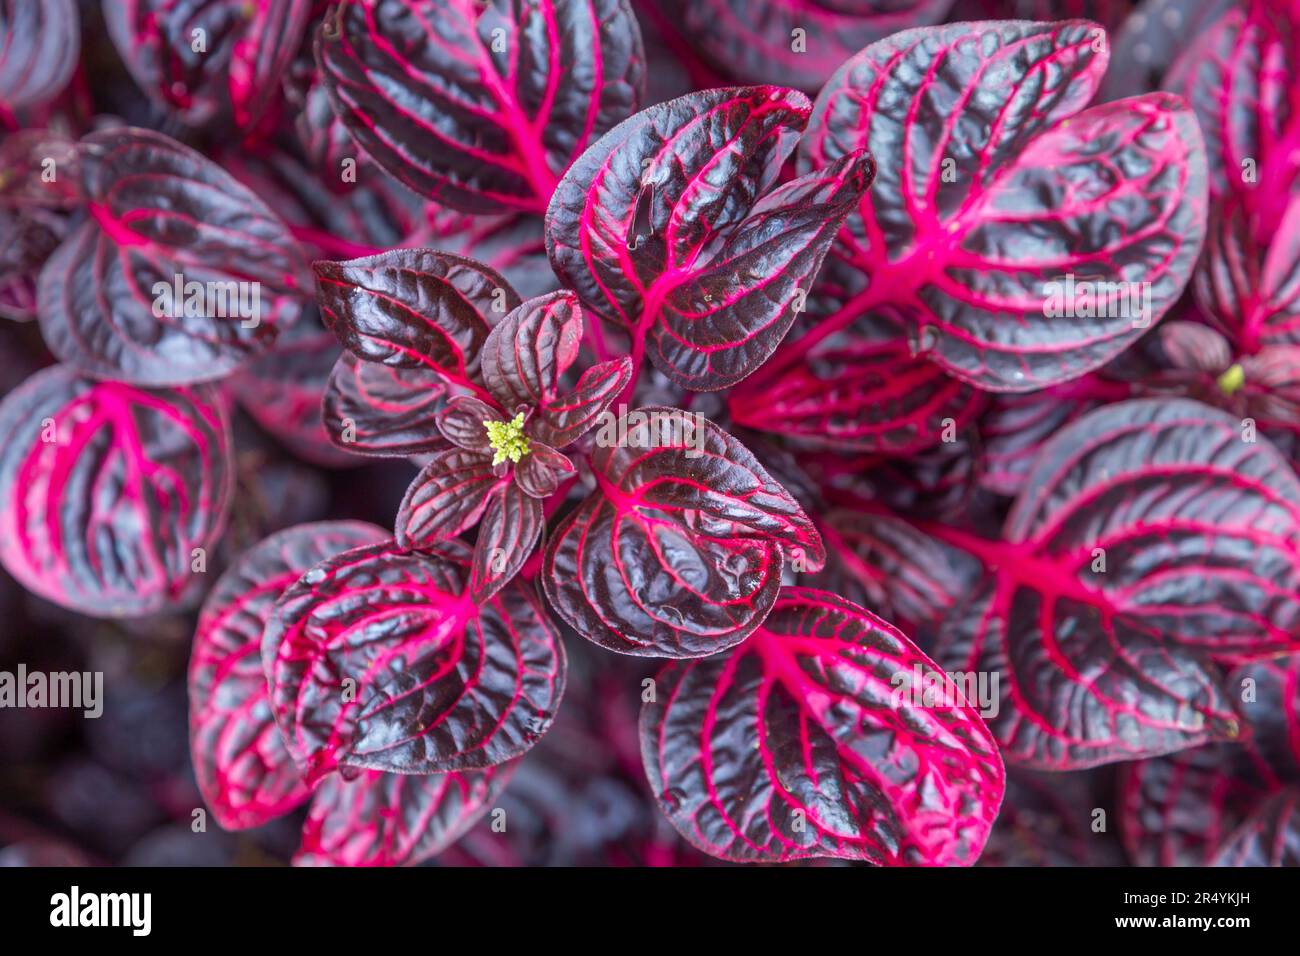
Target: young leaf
{"points": [[814, 738], [480, 104], [177, 274], [111, 497], [384, 410], [243, 770], [414, 308], [379, 659], [670, 226], [1121, 576], [680, 550]]}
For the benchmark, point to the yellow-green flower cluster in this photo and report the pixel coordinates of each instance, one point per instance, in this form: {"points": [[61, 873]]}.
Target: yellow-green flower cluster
{"points": [[507, 439]]}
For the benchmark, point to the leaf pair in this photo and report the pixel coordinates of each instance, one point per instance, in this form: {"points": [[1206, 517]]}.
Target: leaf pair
{"points": [[506, 462], [419, 700]]}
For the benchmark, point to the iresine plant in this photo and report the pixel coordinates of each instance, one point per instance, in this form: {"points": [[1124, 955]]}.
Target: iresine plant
{"points": [[858, 412]]}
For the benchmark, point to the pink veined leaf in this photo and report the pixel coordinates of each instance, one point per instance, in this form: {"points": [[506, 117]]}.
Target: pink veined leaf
{"points": [[178, 274], [391, 819], [525, 357], [379, 659], [243, 769], [679, 551], [1122, 573], [480, 106], [815, 738], [1232, 73], [39, 44], [511, 527], [202, 58], [673, 227], [447, 497], [374, 409], [773, 41], [414, 309], [108, 492], [1026, 242], [1268, 837], [1251, 289], [860, 394]]}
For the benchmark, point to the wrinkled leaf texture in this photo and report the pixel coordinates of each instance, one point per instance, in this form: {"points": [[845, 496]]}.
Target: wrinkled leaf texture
{"points": [[803, 742], [994, 182], [1148, 539], [480, 106], [434, 681], [673, 226], [243, 769], [679, 551], [156, 210], [107, 490]]}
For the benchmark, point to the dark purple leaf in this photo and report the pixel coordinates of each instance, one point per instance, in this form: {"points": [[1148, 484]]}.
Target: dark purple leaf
{"points": [[374, 409], [860, 395], [39, 44], [525, 357], [815, 738], [282, 392], [480, 104], [1001, 208], [1251, 289], [511, 527], [886, 563], [160, 215], [379, 659], [671, 227], [109, 494], [244, 772], [414, 308], [392, 819], [1229, 73], [1150, 536], [680, 551], [447, 497]]}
